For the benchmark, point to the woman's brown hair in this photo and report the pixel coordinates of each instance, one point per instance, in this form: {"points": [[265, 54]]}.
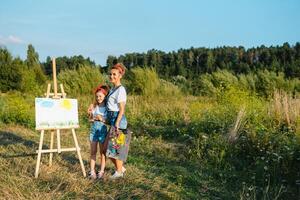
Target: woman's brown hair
{"points": [[120, 67]]}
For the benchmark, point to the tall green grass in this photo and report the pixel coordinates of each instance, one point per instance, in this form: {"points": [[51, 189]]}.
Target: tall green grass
{"points": [[264, 83]]}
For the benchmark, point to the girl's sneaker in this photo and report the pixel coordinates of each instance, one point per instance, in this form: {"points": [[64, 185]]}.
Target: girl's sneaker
{"points": [[100, 174], [92, 175], [116, 175]]}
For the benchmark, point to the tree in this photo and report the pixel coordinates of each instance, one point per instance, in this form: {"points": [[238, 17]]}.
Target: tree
{"points": [[10, 71], [32, 57], [33, 63], [297, 49], [47, 66], [179, 67], [110, 60], [210, 62]]}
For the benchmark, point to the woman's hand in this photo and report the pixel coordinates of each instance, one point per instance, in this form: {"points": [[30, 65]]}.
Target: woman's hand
{"points": [[117, 125]]}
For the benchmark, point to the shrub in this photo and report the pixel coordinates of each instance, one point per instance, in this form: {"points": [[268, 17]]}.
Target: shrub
{"points": [[248, 81], [16, 109], [81, 81], [185, 85], [168, 89], [211, 84], [204, 86], [143, 81], [224, 79], [263, 82], [30, 85]]}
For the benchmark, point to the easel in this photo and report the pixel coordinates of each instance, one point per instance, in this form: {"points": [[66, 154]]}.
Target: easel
{"points": [[56, 95]]}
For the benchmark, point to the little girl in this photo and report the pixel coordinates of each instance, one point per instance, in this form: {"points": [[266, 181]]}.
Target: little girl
{"points": [[97, 115]]}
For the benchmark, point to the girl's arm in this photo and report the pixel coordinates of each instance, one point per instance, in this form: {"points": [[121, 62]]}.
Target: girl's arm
{"points": [[90, 109], [90, 112], [121, 112]]}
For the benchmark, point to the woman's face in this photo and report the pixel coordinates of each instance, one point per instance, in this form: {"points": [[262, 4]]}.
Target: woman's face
{"points": [[100, 97], [114, 76]]}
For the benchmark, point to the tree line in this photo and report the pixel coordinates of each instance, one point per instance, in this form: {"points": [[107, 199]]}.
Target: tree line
{"points": [[193, 62], [30, 74], [190, 64]]}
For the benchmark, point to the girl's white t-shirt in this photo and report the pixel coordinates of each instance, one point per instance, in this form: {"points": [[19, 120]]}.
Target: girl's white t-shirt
{"points": [[115, 98], [99, 110]]}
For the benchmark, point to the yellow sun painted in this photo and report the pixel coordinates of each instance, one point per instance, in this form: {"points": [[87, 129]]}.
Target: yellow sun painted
{"points": [[121, 139], [66, 104]]}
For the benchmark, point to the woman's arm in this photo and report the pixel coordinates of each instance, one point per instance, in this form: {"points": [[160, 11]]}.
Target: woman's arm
{"points": [[121, 113]]}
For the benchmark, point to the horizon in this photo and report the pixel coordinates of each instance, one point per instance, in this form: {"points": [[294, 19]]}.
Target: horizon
{"points": [[24, 58], [97, 29]]}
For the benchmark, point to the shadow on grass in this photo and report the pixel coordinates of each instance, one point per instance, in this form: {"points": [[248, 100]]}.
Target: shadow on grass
{"points": [[72, 159], [9, 138], [3, 155], [129, 188]]}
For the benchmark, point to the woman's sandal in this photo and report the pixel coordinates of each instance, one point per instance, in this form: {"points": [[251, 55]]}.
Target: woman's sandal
{"points": [[123, 169], [100, 174]]}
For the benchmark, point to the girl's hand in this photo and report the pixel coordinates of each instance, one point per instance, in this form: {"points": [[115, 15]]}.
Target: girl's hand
{"points": [[90, 109], [99, 118]]}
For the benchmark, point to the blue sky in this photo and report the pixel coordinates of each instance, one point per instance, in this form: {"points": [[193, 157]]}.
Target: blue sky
{"points": [[98, 28]]}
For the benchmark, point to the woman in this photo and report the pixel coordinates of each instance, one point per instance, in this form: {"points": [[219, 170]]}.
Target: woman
{"points": [[117, 141]]}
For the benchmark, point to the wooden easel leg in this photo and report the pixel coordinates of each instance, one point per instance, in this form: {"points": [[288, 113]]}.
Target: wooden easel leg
{"points": [[51, 147], [39, 155], [78, 152], [58, 141]]}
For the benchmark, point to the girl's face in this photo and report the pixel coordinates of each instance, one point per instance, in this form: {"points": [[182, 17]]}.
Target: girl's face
{"points": [[114, 76], [100, 97]]}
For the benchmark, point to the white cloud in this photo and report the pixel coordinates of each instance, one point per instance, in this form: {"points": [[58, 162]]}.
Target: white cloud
{"points": [[15, 40], [11, 39]]}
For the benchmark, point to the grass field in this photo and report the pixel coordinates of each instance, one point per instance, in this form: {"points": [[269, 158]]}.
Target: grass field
{"points": [[233, 146], [156, 169]]}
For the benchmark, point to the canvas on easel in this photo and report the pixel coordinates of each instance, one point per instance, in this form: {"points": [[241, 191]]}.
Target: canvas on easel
{"points": [[55, 113]]}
